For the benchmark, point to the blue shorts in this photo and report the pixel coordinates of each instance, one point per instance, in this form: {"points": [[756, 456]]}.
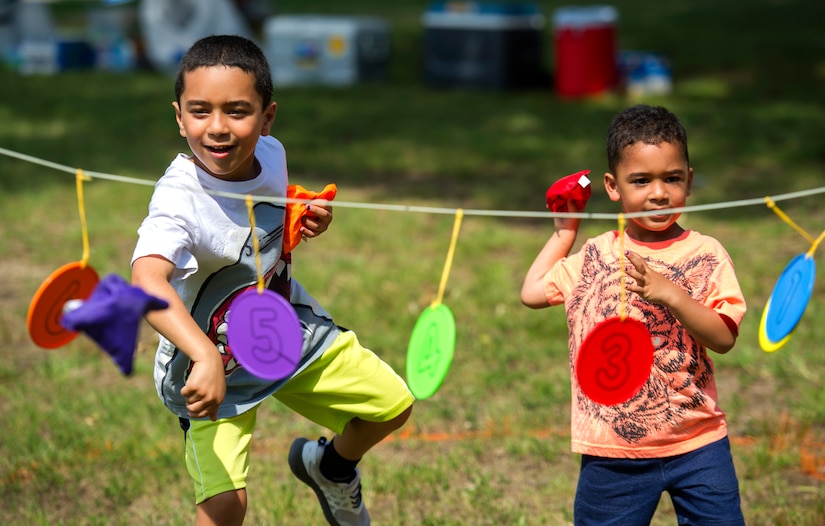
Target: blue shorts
{"points": [[702, 485]]}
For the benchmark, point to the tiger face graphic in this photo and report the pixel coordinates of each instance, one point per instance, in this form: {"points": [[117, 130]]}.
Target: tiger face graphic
{"points": [[682, 372]]}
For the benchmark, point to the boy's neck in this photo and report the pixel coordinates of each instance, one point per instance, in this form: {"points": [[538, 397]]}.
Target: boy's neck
{"points": [[650, 236]]}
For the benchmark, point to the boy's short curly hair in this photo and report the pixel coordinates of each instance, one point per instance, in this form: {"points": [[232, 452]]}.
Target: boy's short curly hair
{"points": [[230, 51], [647, 124]]}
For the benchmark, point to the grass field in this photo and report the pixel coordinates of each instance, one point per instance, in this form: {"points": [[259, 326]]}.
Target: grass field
{"points": [[82, 445]]}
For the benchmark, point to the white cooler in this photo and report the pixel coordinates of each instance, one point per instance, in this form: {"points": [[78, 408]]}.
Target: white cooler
{"points": [[326, 50]]}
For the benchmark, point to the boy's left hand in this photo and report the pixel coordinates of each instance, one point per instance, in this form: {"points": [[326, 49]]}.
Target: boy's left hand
{"points": [[316, 220], [702, 322], [646, 282]]}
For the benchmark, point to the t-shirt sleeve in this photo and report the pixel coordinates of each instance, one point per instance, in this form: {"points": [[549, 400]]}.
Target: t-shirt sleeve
{"points": [[167, 233], [562, 278], [724, 293]]}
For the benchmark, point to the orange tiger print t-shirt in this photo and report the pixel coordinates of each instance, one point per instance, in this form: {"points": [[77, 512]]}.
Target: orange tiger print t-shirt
{"points": [[676, 411]]}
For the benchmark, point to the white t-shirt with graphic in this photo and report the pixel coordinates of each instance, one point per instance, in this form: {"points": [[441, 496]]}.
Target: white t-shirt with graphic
{"points": [[208, 238]]}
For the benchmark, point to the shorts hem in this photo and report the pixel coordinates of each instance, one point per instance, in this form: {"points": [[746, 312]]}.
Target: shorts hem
{"points": [[375, 419], [217, 490]]}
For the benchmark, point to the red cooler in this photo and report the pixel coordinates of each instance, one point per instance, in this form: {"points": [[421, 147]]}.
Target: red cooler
{"points": [[585, 50]]}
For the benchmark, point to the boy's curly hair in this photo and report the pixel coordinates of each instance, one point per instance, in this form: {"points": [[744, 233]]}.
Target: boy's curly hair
{"points": [[647, 124]]}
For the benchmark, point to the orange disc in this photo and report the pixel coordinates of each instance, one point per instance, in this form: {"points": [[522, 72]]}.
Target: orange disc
{"points": [[70, 282]]}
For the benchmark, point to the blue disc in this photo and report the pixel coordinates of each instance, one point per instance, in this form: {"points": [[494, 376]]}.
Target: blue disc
{"points": [[790, 297], [766, 344]]}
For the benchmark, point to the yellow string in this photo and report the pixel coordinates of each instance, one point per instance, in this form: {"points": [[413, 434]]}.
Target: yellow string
{"points": [[459, 214], [781, 214], [622, 273], [255, 244], [815, 244], [79, 178]]}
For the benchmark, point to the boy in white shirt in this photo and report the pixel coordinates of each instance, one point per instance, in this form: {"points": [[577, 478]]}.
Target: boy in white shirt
{"points": [[195, 251]]}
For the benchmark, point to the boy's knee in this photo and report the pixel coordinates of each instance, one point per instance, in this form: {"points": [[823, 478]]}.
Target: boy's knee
{"points": [[401, 419], [228, 507]]}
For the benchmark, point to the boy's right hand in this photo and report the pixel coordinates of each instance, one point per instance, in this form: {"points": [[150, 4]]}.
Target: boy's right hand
{"points": [[573, 189], [568, 223], [205, 388], [569, 194]]}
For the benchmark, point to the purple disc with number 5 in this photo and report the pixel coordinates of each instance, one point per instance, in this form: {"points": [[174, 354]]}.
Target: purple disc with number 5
{"points": [[265, 334]]}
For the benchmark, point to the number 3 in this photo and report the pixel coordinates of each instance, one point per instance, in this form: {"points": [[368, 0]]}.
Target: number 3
{"points": [[616, 369]]}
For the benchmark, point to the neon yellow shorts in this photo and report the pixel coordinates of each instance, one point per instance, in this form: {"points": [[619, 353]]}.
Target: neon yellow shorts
{"points": [[348, 381]]}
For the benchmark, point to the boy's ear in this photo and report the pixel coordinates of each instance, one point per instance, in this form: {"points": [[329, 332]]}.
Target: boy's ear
{"points": [[178, 118], [269, 118], [611, 187]]}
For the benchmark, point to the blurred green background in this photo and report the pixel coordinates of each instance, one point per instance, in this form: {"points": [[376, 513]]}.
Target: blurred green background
{"points": [[83, 445]]}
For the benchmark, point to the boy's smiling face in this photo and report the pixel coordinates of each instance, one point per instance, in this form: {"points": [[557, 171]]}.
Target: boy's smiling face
{"points": [[651, 177], [221, 116]]}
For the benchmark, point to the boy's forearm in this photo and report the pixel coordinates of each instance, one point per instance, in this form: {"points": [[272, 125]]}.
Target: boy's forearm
{"points": [[556, 248], [174, 323], [177, 325], [703, 323]]}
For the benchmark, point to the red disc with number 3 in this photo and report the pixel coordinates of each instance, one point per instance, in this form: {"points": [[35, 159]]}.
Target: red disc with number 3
{"points": [[614, 361]]}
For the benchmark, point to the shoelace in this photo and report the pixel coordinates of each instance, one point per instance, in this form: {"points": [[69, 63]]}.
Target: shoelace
{"points": [[343, 496], [355, 497]]}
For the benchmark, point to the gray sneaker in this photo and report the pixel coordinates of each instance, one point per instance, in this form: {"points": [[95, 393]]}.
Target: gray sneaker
{"points": [[341, 502]]}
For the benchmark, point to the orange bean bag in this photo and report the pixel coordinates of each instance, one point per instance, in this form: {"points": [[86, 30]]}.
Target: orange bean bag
{"points": [[295, 211]]}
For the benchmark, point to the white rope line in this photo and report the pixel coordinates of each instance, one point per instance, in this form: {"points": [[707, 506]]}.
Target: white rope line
{"points": [[429, 209]]}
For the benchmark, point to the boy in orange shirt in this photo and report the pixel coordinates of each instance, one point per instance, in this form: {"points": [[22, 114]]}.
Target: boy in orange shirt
{"points": [[672, 435]]}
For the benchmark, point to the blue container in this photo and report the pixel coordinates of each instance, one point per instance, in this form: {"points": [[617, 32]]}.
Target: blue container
{"points": [[75, 54], [643, 73]]}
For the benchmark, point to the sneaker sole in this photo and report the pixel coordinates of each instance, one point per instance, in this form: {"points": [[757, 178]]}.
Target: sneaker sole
{"points": [[296, 464]]}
